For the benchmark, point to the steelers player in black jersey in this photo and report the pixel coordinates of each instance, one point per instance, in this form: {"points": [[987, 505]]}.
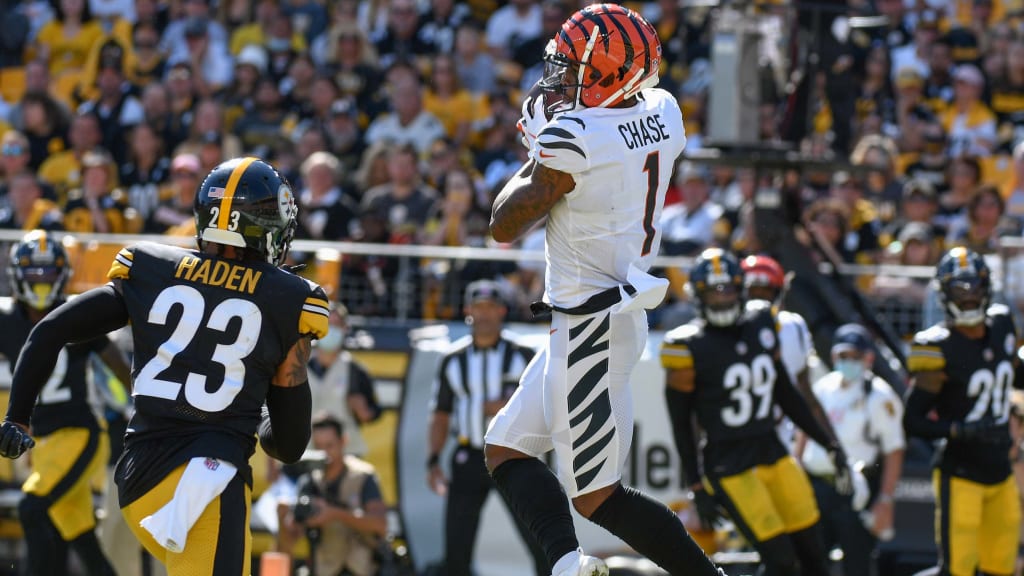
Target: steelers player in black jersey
{"points": [[221, 338], [72, 445], [723, 376], [963, 369]]}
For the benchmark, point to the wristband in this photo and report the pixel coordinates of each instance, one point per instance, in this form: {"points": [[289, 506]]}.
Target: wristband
{"points": [[434, 460]]}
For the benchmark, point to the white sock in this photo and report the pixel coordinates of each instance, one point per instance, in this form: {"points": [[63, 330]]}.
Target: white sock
{"points": [[566, 562]]}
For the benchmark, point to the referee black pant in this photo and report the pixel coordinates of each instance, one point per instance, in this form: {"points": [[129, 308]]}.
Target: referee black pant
{"points": [[469, 486], [842, 526]]}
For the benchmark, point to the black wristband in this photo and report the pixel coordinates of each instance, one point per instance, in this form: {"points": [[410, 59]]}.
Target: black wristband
{"points": [[434, 460]]}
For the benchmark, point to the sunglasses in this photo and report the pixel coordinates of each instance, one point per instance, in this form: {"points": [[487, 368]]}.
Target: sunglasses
{"points": [[13, 150]]}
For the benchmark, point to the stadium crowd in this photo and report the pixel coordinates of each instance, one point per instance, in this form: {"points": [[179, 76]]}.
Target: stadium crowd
{"points": [[395, 122]]}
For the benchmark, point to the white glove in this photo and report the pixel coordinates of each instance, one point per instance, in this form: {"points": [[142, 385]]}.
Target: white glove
{"points": [[534, 117]]}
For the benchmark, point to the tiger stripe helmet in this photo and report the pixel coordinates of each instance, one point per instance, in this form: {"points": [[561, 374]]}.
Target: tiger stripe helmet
{"points": [[604, 54]]}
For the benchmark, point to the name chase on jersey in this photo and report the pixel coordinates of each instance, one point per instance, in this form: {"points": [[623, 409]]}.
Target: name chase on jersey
{"points": [[643, 132]]}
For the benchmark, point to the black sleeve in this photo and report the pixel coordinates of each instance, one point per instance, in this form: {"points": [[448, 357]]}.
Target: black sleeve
{"points": [[98, 345], [793, 405], [89, 316], [360, 384], [915, 416], [680, 412], [371, 490], [444, 400], [285, 427]]}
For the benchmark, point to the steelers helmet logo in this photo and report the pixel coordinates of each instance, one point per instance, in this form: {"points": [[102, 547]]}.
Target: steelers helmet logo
{"points": [[767, 338], [286, 202]]}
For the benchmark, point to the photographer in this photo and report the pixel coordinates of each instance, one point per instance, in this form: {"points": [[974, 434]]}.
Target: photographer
{"points": [[339, 508]]}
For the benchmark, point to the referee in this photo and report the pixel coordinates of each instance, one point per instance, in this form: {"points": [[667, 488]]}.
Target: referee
{"points": [[476, 377]]}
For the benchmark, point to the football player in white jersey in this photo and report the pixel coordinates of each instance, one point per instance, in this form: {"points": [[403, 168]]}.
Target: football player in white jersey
{"points": [[603, 142], [765, 280]]}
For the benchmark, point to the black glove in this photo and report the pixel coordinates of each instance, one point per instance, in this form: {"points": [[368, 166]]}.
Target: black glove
{"points": [[707, 508], [14, 440], [844, 478], [982, 431]]}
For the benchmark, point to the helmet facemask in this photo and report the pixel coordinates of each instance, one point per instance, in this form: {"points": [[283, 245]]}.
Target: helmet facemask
{"points": [[966, 300], [721, 304], [38, 273], [561, 81]]}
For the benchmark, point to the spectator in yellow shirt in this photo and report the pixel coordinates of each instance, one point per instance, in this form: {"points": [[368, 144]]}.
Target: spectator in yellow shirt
{"points": [[256, 32], [460, 111], [66, 41], [63, 169], [27, 209], [99, 206], [970, 124]]}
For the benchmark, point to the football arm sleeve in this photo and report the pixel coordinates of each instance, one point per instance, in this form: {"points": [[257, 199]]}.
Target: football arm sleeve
{"points": [[88, 316], [284, 429], [680, 412], [915, 415], [793, 405]]}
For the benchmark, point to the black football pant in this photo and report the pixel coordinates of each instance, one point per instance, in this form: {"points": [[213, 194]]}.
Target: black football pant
{"points": [[842, 526], [469, 486]]}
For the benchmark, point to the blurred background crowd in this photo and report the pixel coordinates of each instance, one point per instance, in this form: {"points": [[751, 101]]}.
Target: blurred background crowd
{"points": [[395, 122]]}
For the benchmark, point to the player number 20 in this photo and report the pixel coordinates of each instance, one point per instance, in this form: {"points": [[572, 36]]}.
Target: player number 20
{"points": [[748, 383], [193, 308], [991, 391]]}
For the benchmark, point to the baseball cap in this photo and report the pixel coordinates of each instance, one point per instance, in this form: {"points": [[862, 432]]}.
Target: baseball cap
{"points": [[851, 337], [970, 74], [919, 187], [111, 56], [254, 56], [909, 76], [189, 162], [692, 171], [343, 107], [481, 290], [915, 231], [96, 158], [196, 26]]}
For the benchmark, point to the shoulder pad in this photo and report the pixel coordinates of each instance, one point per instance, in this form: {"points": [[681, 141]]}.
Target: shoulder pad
{"points": [[315, 311], [460, 344], [561, 145], [685, 333], [998, 310], [675, 348], [759, 311], [926, 353], [121, 267], [933, 335]]}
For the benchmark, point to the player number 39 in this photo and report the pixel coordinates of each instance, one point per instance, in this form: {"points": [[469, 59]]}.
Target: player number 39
{"points": [[747, 383]]}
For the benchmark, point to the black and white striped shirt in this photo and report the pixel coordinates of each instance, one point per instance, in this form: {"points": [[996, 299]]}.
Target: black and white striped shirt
{"points": [[470, 376]]}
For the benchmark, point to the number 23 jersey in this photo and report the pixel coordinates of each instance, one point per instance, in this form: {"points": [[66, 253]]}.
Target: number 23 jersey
{"points": [[979, 382], [209, 334], [734, 380]]}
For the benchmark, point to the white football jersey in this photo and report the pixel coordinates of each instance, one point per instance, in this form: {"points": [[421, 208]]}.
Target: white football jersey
{"points": [[604, 233]]}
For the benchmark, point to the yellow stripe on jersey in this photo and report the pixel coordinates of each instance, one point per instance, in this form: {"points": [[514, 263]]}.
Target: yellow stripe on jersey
{"points": [[122, 265], [676, 356], [313, 318], [229, 192], [925, 359]]}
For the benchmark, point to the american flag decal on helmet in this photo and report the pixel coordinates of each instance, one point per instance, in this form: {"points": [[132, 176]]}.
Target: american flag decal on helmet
{"points": [[216, 192]]}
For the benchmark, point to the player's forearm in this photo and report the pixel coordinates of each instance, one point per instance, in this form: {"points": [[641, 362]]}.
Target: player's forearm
{"points": [[88, 316], [794, 406], [915, 417], [680, 412], [438, 431], [804, 385], [517, 207], [284, 430]]}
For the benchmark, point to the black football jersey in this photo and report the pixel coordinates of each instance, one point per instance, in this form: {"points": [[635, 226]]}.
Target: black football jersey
{"points": [[979, 381], [64, 400], [209, 334], [735, 373]]}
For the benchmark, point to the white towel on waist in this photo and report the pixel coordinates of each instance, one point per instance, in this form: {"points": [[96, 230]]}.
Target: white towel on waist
{"points": [[203, 480]]}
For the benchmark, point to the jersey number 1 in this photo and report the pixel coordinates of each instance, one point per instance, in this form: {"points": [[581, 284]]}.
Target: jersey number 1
{"points": [[652, 168], [193, 307]]}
